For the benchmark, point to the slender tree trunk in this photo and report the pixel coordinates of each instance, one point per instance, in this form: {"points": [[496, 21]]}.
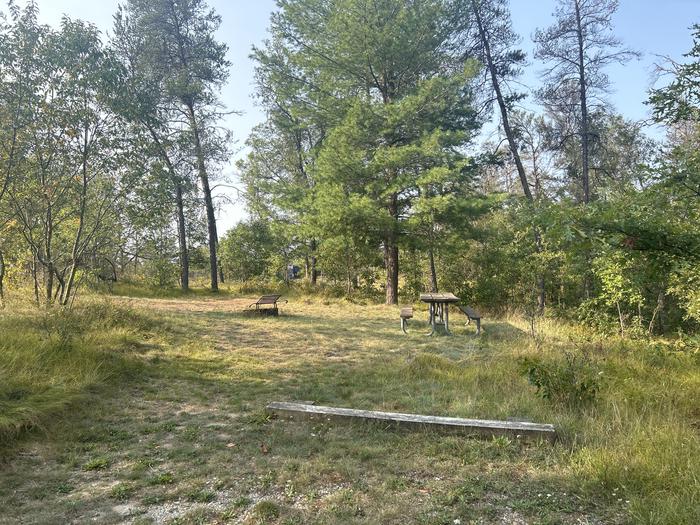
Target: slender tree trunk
{"points": [[180, 206], [541, 288], [35, 278], [76, 251], [221, 270], [433, 273], [660, 300], [510, 136], [391, 262], [391, 257], [584, 106], [2, 279], [48, 267], [209, 203], [621, 318], [182, 240], [312, 260], [507, 129]]}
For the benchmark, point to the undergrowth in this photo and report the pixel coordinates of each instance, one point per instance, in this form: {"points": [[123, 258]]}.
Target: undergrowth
{"points": [[52, 358]]}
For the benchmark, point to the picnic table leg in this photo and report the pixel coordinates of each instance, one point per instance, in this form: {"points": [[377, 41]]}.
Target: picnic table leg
{"points": [[431, 318], [478, 327], [447, 319]]}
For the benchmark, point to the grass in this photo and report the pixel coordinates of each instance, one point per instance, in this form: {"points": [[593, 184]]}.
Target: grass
{"points": [[49, 360], [152, 410]]}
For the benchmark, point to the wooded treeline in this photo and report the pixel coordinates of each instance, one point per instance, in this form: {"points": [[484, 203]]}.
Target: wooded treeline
{"points": [[373, 165], [400, 153], [107, 148]]}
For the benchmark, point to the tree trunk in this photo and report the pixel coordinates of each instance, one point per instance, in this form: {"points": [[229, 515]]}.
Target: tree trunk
{"points": [[541, 290], [2, 278], [584, 106], [209, 203], [313, 276], [182, 240], [35, 278], [433, 273], [508, 130], [221, 270], [660, 300], [621, 318], [179, 202], [76, 250], [391, 257], [501, 102], [391, 263], [48, 260]]}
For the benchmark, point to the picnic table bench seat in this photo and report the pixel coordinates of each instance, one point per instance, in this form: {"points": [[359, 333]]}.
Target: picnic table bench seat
{"points": [[405, 314], [270, 301], [472, 315]]}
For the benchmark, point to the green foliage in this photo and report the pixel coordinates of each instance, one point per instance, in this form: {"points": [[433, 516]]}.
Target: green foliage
{"points": [[245, 250], [679, 101], [98, 463], [572, 382]]}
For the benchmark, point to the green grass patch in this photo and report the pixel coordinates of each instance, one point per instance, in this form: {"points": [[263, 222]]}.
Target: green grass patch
{"points": [[168, 397], [49, 360]]}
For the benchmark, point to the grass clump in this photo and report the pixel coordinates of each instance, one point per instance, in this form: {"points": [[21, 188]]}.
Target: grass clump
{"points": [[166, 478], [122, 492], [49, 360], [201, 495], [266, 511], [99, 463]]}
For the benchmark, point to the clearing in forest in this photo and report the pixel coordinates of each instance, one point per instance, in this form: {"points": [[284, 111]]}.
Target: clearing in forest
{"points": [[180, 433]]}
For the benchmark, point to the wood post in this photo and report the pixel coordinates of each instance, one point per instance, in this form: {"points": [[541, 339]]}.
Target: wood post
{"points": [[469, 427]]}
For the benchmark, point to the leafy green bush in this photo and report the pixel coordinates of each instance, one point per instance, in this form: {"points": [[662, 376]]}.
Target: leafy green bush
{"points": [[571, 382]]}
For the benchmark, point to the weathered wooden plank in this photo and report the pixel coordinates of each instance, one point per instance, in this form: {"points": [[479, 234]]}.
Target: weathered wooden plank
{"points": [[439, 298], [406, 312], [476, 427]]}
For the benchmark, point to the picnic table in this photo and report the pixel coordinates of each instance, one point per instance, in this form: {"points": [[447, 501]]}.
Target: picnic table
{"points": [[438, 309], [267, 300]]}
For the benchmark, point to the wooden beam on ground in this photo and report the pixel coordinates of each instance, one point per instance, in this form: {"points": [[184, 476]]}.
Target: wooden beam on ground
{"points": [[475, 427]]}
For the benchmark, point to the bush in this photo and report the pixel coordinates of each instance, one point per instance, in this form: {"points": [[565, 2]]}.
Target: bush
{"points": [[573, 382]]}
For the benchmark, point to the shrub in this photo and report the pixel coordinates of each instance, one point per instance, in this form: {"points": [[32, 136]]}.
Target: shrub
{"points": [[571, 382]]}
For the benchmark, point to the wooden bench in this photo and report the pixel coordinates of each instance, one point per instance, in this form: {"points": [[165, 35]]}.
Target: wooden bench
{"points": [[472, 315], [405, 315], [267, 300]]}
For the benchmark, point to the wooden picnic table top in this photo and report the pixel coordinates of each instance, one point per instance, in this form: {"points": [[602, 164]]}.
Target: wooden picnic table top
{"points": [[439, 298]]}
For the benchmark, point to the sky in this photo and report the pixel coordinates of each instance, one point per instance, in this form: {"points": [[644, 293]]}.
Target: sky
{"points": [[656, 28]]}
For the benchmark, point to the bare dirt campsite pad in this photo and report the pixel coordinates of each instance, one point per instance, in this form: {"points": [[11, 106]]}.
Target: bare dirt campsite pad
{"points": [[185, 438]]}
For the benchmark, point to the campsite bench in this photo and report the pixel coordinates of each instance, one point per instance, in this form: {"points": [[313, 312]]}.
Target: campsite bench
{"points": [[472, 315], [406, 314], [269, 301]]}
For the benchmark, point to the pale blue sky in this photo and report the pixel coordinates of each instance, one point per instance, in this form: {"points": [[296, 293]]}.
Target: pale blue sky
{"points": [[654, 27]]}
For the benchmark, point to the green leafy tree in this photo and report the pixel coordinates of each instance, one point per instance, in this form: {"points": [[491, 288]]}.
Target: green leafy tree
{"points": [[181, 53], [350, 60], [62, 193], [246, 250]]}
